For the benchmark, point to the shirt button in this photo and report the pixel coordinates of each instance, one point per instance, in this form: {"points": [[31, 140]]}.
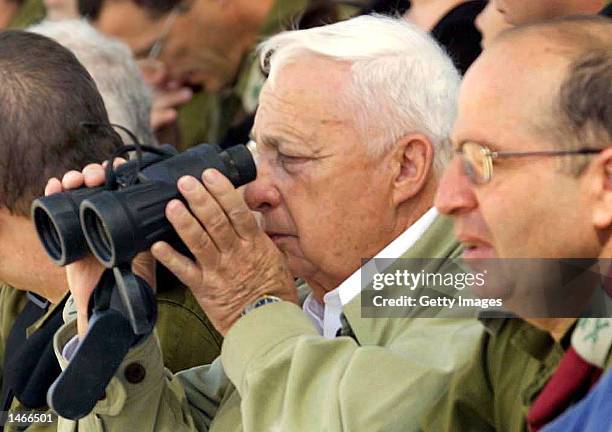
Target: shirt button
{"points": [[134, 373]]}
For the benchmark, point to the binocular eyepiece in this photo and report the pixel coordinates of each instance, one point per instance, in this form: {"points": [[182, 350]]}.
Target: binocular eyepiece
{"points": [[119, 221]]}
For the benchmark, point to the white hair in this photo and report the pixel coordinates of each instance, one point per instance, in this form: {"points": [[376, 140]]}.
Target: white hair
{"points": [[110, 62], [402, 80]]}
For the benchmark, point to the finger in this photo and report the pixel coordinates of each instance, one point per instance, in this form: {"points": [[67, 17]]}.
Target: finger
{"points": [[208, 211], [181, 266], [53, 186], [173, 85], [164, 117], [93, 175], [171, 99], [232, 203], [154, 73], [72, 180], [191, 233], [116, 162]]}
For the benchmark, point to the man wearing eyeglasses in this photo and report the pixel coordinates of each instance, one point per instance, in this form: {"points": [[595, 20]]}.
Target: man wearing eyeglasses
{"points": [[198, 56], [532, 178]]}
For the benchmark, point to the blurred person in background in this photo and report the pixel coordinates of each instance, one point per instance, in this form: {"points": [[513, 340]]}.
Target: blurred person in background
{"points": [[523, 12], [490, 22], [198, 55], [61, 9], [110, 63], [20, 13], [451, 23]]}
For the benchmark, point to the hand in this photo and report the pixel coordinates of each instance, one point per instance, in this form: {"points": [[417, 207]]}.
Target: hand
{"points": [[235, 261], [167, 95], [165, 103], [83, 275]]}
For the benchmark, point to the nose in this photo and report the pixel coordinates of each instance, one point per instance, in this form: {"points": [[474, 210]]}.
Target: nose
{"points": [[455, 193], [262, 194]]}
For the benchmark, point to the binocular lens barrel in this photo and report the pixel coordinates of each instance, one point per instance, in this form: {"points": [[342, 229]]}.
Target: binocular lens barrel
{"points": [[120, 224], [56, 218]]}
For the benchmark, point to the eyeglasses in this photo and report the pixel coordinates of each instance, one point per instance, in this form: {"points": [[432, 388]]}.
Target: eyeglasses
{"points": [[478, 159], [151, 60]]}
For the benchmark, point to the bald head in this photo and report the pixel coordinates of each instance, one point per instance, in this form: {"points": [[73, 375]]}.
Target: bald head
{"points": [[519, 12], [555, 78]]}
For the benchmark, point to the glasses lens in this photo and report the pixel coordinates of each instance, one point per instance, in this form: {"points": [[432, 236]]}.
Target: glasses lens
{"points": [[476, 162]]}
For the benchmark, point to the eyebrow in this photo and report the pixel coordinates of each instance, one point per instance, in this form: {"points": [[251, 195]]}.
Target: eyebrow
{"points": [[274, 140]]}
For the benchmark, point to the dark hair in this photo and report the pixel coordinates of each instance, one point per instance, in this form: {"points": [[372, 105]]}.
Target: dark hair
{"points": [[45, 96], [586, 97], [90, 9]]}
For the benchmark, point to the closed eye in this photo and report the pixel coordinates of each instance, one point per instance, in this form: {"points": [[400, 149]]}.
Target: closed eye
{"points": [[291, 160]]}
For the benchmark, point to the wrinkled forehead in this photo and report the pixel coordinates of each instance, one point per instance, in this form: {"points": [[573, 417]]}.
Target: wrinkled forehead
{"points": [[311, 92]]}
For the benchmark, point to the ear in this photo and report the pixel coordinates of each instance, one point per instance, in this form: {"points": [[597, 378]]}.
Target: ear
{"points": [[413, 157], [600, 184]]}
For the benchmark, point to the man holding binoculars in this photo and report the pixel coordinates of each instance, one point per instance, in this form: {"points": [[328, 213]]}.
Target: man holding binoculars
{"points": [[45, 96]]}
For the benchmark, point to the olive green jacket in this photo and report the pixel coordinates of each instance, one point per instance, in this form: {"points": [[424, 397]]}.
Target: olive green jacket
{"points": [[186, 335], [30, 12], [512, 364], [12, 303], [276, 373]]}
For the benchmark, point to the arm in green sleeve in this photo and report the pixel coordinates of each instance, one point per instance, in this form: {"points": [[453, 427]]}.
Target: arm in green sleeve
{"points": [[468, 404], [157, 403], [291, 379]]}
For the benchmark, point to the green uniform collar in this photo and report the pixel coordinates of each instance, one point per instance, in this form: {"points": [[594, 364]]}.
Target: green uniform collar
{"points": [[30, 12]]}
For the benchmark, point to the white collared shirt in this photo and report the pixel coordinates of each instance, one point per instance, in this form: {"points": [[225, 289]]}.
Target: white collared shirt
{"points": [[326, 317]]}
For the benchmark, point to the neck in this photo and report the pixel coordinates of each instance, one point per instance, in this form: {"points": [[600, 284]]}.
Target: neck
{"points": [[249, 17], [427, 13], [8, 10], [51, 285], [408, 215], [556, 327]]}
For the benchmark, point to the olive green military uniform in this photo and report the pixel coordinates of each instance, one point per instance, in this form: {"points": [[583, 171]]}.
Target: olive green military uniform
{"points": [[186, 336], [276, 373], [12, 303], [30, 12], [512, 364]]}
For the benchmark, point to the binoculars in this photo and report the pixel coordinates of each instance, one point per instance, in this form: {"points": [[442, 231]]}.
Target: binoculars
{"points": [[125, 217]]}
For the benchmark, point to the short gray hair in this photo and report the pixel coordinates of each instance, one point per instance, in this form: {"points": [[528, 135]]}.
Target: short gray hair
{"points": [[402, 80], [127, 98]]}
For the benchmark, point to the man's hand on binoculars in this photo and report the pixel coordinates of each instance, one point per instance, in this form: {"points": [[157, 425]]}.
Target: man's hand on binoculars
{"points": [[83, 275], [235, 261]]}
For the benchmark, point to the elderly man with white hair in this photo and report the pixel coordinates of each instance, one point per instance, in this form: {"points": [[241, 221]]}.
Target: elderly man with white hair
{"points": [[351, 138]]}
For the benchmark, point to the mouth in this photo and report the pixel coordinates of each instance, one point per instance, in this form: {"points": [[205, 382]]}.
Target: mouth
{"points": [[279, 237], [476, 249]]}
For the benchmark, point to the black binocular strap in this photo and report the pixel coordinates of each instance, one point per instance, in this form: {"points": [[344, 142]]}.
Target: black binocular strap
{"points": [[30, 365]]}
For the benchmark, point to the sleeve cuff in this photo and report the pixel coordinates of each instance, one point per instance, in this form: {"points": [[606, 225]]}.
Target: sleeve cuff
{"points": [[258, 332]]}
